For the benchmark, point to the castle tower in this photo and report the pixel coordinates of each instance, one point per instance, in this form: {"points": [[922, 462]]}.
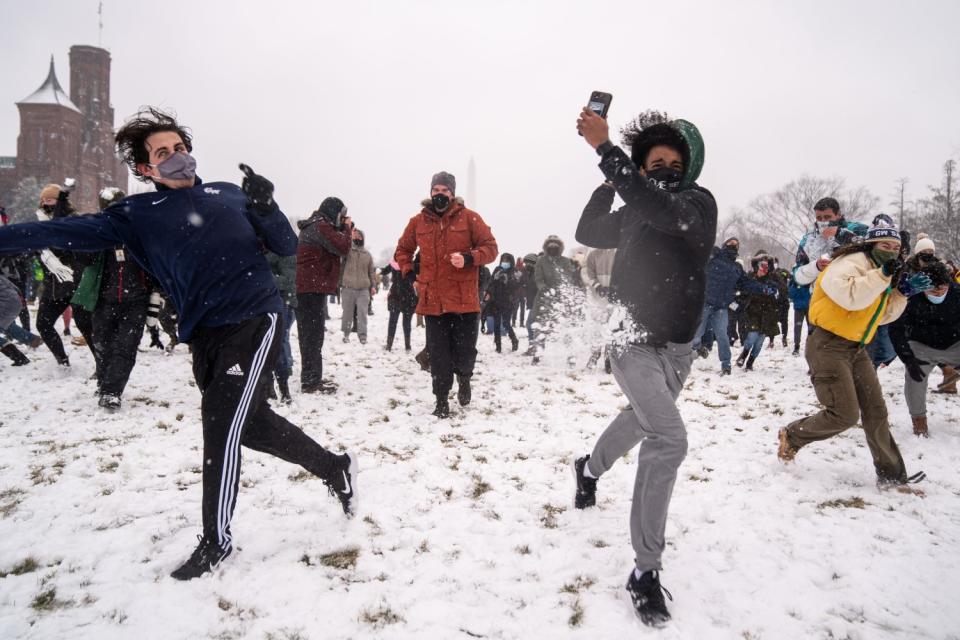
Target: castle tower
{"points": [[50, 131], [90, 92]]}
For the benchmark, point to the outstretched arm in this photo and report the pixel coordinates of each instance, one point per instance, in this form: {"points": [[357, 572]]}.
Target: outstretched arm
{"points": [[79, 233]]}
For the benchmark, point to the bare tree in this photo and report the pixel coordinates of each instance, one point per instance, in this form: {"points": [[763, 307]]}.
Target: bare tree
{"points": [[785, 215], [941, 212], [899, 202]]}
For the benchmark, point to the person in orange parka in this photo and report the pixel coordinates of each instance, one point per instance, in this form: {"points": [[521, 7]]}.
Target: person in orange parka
{"points": [[453, 241]]}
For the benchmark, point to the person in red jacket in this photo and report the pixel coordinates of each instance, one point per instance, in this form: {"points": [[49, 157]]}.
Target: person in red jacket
{"points": [[453, 241], [324, 239]]}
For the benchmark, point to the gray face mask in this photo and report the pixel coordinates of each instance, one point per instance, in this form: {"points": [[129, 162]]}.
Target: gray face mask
{"points": [[179, 166]]}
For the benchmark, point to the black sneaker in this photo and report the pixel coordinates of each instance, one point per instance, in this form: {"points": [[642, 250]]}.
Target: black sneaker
{"points": [[586, 487], [442, 410], [343, 484], [725, 371], [647, 596], [463, 390], [205, 558], [109, 402]]}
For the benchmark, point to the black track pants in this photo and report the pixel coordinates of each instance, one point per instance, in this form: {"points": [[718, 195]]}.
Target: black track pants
{"points": [[452, 347], [231, 365], [117, 329]]}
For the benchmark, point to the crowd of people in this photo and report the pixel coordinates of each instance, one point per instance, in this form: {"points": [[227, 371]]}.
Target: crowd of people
{"points": [[220, 267]]}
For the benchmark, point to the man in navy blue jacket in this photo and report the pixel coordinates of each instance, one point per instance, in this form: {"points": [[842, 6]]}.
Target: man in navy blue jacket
{"points": [[725, 277], [202, 242]]}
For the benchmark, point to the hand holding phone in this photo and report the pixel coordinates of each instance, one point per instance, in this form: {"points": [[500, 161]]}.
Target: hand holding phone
{"points": [[592, 123]]}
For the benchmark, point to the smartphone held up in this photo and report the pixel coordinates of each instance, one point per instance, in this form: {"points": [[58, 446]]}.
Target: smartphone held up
{"points": [[599, 103]]}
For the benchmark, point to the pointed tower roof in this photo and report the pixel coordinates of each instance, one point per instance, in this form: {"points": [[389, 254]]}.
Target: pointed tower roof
{"points": [[50, 92]]}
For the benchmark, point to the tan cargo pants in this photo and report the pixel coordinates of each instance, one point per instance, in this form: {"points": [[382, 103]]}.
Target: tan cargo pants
{"points": [[846, 385]]}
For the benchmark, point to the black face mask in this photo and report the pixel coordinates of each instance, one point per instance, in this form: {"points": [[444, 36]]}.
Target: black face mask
{"points": [[48, 208], [440, 202], [358, 243], [665, 178], [553, 251], [731, 251]]}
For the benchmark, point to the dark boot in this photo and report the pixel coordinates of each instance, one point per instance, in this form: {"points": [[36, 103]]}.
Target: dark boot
{"points": [[742, 358], [750, 362], [442, 410], [497, 341], [463, 391], [10, 350], [514, 344], [284, 386]]}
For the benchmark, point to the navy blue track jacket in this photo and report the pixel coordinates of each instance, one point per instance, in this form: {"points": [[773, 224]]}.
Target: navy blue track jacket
{"points": [[202, 244]]}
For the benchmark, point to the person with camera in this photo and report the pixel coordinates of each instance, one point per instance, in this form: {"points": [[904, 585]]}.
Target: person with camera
{"points": [[857, 291], [927, 335], [325, 238], [454, 242], [663, 235], [203, 243]]}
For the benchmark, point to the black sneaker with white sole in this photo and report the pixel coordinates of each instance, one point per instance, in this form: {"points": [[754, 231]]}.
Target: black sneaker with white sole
{"points": [[647, 596], [343, 484], [205, 558], [586, 487]]}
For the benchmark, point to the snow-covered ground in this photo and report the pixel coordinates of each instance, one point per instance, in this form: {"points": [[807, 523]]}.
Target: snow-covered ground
{"points": [[466, 527]]}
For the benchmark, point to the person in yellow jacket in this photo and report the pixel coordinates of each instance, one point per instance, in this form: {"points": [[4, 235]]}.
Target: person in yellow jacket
{"points": [[854, 295]]}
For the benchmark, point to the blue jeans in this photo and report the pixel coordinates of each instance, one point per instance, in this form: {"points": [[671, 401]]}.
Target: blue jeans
{"points": [[716, 319], [880, 348], [18, 333], [754, 343], [284, 366]]}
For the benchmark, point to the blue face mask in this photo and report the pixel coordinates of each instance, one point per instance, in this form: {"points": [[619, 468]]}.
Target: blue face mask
{"points": [[936, 299], [505, 266]]}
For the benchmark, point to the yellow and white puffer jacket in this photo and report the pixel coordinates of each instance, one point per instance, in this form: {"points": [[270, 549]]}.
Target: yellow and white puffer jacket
{"points": [[852, 298]]}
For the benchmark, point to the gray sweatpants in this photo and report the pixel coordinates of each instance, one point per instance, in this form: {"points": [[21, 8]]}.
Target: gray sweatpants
{"points": [[651, 378], [916, 392], [350, 300]]}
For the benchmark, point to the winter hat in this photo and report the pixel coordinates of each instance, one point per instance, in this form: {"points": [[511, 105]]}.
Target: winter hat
{"points": [[827, 203], [530, 260], [732, 239], [882, 229], [924, 244], [508, 257], [652, 128], [553, 240], [110, 195], [50, 191], [446, 179], [332, 208]]}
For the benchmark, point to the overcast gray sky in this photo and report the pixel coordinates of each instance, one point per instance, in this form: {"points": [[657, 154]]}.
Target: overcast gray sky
{"points": [[366, 100]]}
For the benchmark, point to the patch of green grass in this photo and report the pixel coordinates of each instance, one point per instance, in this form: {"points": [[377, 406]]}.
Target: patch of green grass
{"points": [[46, 600]]}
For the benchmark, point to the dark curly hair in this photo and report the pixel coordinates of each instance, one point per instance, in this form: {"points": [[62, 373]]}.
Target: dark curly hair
{"points": [[648, 130], [132, 137]]}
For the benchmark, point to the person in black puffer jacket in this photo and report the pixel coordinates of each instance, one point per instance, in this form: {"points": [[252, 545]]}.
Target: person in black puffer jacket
{"points": [[759, 312], [663, 235], [502, 292], [401, 301]]}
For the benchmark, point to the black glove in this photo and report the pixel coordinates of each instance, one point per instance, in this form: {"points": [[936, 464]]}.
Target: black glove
{"points": [[892, 266], [913, 368], [259, 190]]}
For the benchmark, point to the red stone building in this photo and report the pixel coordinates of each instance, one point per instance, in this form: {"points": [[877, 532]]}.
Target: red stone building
{"points": [[66, 136]]}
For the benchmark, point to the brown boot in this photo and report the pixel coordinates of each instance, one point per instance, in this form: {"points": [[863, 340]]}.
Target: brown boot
{"points": [[949, 384], [786, 451], [920, 426]]}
